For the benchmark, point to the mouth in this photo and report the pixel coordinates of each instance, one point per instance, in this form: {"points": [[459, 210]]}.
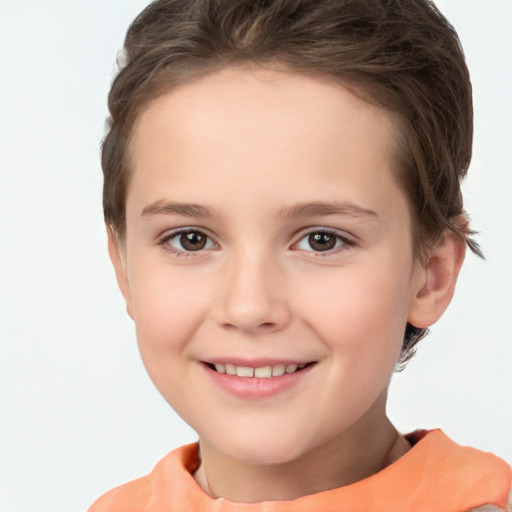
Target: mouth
{"points": [[261, 372]]}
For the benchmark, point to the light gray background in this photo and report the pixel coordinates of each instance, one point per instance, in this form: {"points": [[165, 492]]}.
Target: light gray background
{"points": [[78, 415]]}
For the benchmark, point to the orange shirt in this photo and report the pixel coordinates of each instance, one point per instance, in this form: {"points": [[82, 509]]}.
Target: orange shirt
{"points": [[436, 475]]}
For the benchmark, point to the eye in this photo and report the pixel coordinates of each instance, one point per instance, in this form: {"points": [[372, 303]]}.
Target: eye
{"points": [[190, 240], [322, 241]]}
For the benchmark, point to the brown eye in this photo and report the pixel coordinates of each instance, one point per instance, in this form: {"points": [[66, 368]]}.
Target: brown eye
{"points": [[322, 241], [193, 241], [188, 241]]}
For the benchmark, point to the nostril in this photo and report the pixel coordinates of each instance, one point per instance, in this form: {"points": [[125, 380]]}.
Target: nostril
{"points": [[230, 326], [265, 326]]}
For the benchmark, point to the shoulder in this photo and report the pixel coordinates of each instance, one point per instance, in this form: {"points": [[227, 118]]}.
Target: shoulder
{"points": [[480, 479], [136, 495], [495, 508]]}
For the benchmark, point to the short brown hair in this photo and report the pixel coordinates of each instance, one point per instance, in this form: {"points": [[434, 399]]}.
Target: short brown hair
{"points": [[401, 55]]}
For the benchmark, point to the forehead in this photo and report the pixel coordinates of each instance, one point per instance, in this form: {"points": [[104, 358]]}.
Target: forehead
{"points": [[264, 100], [259, 132]]}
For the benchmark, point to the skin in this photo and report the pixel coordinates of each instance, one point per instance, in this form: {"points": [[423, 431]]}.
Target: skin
{"points": [[251, 147]]}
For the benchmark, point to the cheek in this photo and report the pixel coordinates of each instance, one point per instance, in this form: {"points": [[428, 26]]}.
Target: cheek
{"points": [[350, 304], [359, 315], [168, 307]]}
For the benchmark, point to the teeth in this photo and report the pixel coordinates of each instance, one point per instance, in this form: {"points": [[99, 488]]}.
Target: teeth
{"points": [[244, 371], [290, 368], [231, 369], [278, 370], [264, 372]]}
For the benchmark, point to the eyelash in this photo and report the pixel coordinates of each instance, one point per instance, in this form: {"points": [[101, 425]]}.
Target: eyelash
{"points": [[346, 242], [164, 241]]}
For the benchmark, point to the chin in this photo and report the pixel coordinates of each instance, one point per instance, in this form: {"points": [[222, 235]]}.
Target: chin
{"points": [[256, 449]]}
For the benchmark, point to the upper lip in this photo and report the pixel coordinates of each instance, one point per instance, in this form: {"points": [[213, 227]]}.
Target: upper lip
{"points": [[257, 362]]}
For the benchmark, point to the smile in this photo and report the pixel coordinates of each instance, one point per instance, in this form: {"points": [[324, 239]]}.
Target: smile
{"points": [[261, 380], [262, 372]]}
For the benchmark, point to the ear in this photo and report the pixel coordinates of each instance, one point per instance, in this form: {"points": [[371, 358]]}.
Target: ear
{"points": [[118, 259], [436, 280]]}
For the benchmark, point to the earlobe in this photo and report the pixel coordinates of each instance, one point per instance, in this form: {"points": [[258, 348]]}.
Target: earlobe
{"points": [[119, 263], [438, 277]]}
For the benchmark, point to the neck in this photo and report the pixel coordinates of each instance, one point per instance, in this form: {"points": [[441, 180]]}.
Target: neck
{"points": [[350, 457]]}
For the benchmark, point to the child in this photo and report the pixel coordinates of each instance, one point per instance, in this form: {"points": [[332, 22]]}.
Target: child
{"points": [[282, 199]]}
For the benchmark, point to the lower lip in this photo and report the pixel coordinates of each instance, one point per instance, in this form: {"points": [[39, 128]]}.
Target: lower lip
{"points": [[254, 387]]}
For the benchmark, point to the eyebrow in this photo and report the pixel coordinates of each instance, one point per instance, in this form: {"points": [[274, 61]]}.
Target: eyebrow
{"points": [[309, 209], [319, 208], [184, 209]]}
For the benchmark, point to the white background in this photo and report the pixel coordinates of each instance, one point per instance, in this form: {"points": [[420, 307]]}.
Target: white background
{"points": [[78, 414]]}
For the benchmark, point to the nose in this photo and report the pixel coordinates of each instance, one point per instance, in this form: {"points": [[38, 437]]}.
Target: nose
{"points": [[252, 296]]}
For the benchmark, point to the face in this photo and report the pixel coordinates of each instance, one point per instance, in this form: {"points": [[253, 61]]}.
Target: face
{"points": [[267, 237]]}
